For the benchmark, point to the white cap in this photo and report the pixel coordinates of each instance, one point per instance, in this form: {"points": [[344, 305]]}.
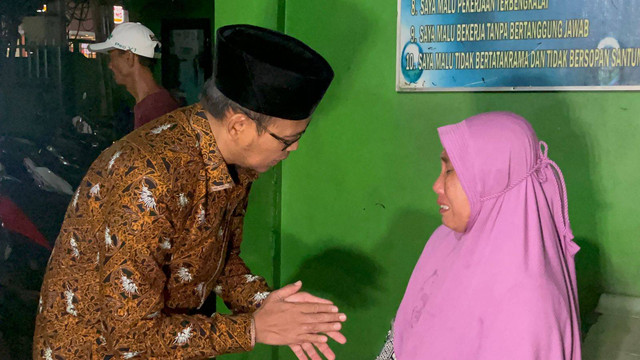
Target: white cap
{"points": [[133, 37]]}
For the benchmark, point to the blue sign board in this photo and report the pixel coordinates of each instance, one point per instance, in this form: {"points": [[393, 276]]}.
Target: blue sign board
{"points": [[489, 45]]}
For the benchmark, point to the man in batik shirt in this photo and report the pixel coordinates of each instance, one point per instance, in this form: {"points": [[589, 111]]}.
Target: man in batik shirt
{"points": [[156, 224]]}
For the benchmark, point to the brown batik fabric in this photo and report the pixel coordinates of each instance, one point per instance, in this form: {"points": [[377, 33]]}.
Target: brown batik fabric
{"points": [[154, 228]]}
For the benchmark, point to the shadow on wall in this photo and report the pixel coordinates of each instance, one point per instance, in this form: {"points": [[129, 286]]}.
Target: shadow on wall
{"points": [[590, 281], [354, 278], [365, 283], [569, 146], [347, 277]]}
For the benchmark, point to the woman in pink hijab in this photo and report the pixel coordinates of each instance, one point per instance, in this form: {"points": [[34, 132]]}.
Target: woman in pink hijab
{"points": [[497, 280]]}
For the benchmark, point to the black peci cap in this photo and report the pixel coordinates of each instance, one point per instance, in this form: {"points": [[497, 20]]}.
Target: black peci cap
{"points": [[269, 72]]}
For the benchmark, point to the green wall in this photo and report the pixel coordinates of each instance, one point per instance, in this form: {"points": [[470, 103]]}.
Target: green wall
{"points": [[357, 204]]}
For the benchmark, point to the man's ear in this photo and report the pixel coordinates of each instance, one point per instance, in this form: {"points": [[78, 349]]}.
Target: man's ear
{"points": [[237, 124], [131, 59]]}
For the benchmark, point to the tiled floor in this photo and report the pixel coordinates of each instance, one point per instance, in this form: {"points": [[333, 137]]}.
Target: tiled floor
{"points": [[616, 334]]}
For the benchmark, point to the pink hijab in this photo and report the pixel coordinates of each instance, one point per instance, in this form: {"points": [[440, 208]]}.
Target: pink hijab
{"points": [[505, 289]]}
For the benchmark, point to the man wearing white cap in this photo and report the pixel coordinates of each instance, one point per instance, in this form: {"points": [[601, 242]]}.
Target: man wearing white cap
{"points": [[131, 49]]}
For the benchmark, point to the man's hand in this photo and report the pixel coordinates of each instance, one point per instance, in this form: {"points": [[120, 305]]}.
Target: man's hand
{"points": [[279, 322], [307, 350]]}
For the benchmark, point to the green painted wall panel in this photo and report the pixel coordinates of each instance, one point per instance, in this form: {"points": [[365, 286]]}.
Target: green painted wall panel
{"points": [[255, 12], [357, 204]]}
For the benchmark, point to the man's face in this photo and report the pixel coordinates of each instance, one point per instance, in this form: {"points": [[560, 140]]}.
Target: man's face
{"points": [[266, 149], [118, 63]]}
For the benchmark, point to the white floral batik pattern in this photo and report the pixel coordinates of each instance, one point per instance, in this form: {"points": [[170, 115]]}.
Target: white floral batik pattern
{"points": [[161, 128], [183, 336], [107, 238], [259, 297], [71, 309], [74, 247], [95, 190], [146, 197], [113, 159], [184, 275], [218, 290], [251, 278], [75, 197], [165, 244], [128, 286], [48, 354], [183, 201], [130, 354]]}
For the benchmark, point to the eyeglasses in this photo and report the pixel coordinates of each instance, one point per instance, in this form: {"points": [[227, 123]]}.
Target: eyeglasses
{"points": [[287, 143]]}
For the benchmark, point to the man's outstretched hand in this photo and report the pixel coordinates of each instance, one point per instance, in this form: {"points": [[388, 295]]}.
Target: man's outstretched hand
{"points": [[307, 350], [298, 319]]}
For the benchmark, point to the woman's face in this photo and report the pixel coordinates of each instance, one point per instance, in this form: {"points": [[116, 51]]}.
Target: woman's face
{"points": [[454, 205]]}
